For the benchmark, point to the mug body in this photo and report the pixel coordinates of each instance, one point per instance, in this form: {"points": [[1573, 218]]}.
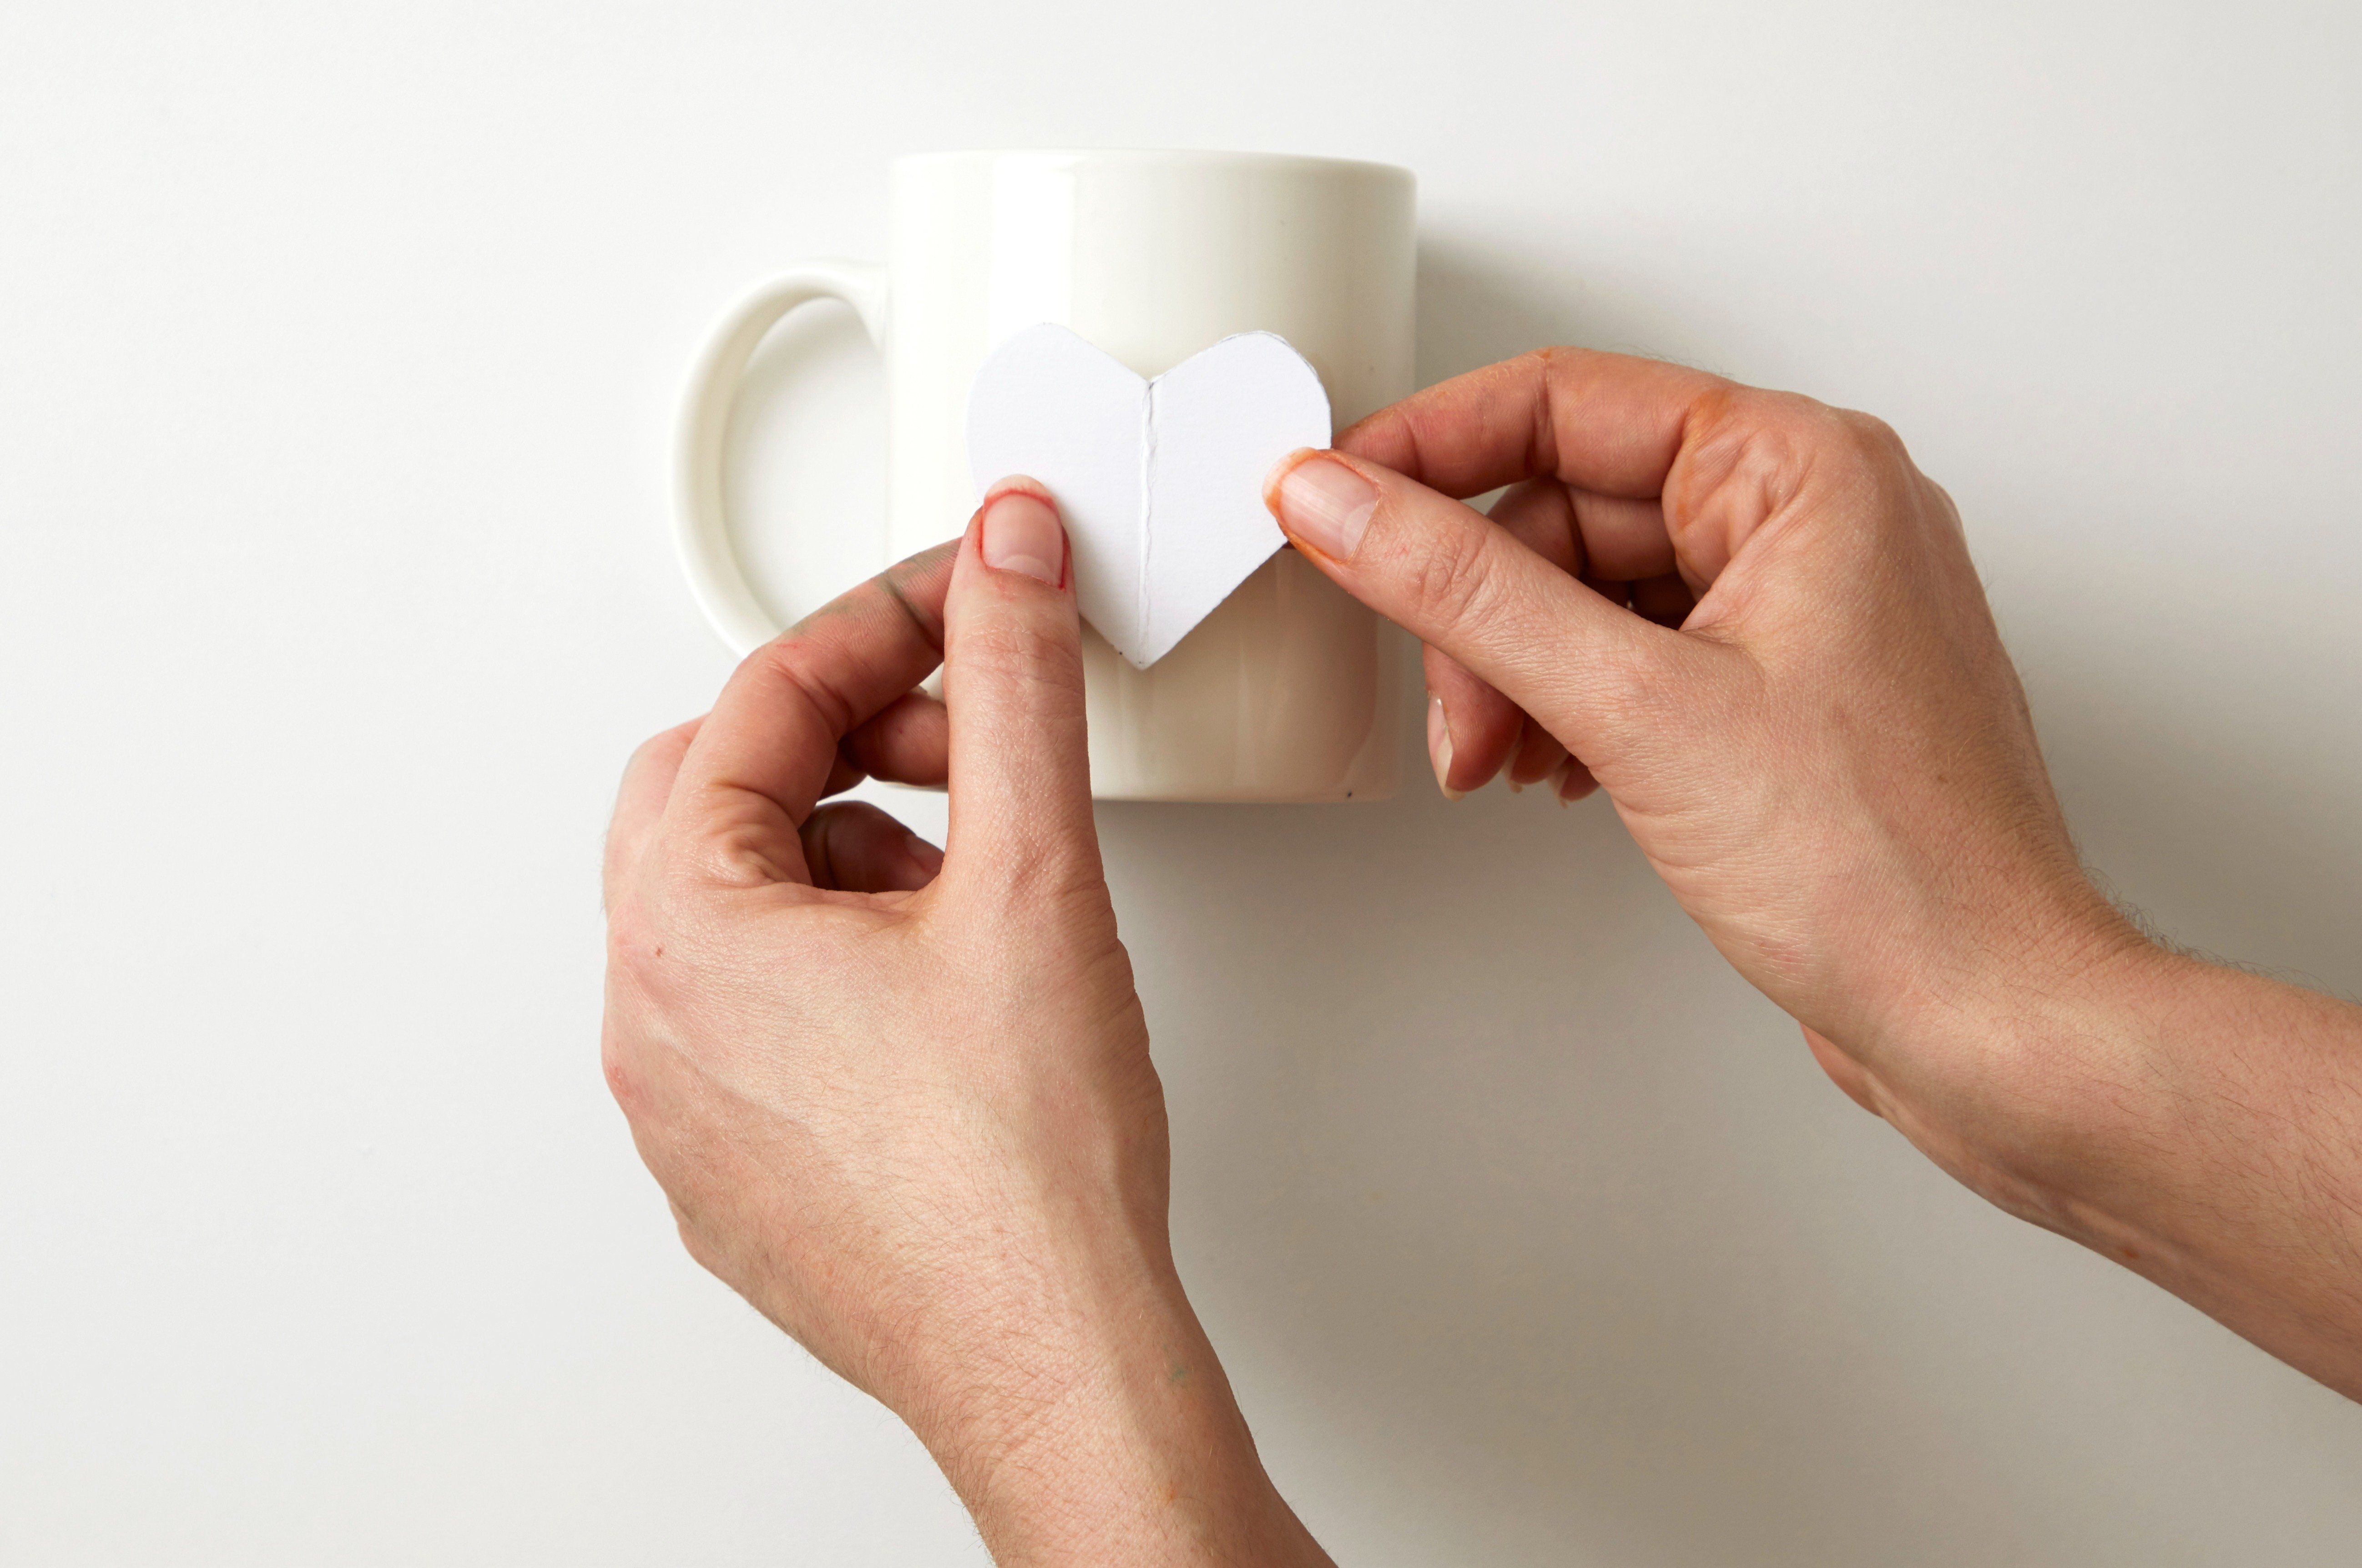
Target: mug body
{"points": [[1288, 691]]}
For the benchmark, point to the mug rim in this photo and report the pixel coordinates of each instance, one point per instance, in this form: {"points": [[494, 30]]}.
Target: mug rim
{"points": [[1304, 161]]}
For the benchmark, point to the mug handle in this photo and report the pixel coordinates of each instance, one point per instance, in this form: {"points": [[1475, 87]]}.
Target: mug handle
{"points": [[699, 530]]}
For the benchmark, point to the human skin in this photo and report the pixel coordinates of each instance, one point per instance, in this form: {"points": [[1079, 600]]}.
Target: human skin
{"points": [[901, 1100], [903, 1103], [1831, 764]]}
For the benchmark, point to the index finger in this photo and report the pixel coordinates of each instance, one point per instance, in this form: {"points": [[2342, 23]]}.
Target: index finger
{"points": [[1610, 424], [763, 755]]}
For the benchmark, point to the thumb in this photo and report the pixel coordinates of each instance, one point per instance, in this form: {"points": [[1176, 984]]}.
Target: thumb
{"points": [[1021, 785], [1458, 582]]}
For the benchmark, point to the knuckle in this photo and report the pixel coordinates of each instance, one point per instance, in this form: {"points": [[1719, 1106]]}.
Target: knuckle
{"points": [[1759, 450], [1869, 433], [1622, 697], [1739, 438], [622, 1081], [649, 749], [778, 659], [664, 744], [1449, 585], [788, 665], [1027, 648], [635, 940], [1867, 443], [1055, 896], [1546, 361], [1665, 702], [1806, 426], [1870, 460], [627, 926], [786, 660], [1784, 429]]}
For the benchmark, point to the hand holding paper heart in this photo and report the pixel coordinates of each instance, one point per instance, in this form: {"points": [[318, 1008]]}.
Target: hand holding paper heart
{"points": [[1161, 481], [1755, 622], [971, 1225]]}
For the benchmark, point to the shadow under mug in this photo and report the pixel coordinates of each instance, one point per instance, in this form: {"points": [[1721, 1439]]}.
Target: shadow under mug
{"points": [[1290, 689]]}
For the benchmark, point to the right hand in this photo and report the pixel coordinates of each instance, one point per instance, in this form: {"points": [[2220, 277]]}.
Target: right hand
{"points": [[1804, 716]]}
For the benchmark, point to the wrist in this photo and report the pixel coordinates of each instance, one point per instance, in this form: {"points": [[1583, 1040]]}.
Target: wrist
{"points": [[2020, 1067], [1095, 1425], [2194, 1123]]}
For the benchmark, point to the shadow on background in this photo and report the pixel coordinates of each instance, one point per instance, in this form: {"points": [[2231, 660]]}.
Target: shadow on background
{"points": [[1507, 1201]]}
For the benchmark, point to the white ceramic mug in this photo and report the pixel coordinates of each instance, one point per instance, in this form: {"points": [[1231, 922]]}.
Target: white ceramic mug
{"points": [[1288, 691]]}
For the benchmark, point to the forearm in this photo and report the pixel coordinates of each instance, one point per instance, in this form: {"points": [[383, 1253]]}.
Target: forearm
{"points": [[2203, 1127], [1110, 1434], [2236, 1181]]}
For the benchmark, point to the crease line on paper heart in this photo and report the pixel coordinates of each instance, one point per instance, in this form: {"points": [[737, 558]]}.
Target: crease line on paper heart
{"points": [[1147, 523]]}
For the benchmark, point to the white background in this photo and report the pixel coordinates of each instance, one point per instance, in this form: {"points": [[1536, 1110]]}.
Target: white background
{"points": [[338, 347]]}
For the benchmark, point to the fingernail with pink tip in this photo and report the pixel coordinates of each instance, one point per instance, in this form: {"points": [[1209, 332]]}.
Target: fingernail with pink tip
{"points": [[1021, 533], [1438, 747], [1324, 503]]}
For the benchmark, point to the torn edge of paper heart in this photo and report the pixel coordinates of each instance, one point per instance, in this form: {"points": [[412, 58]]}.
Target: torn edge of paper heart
{"points": [[1145, 598], [1160, 481]]}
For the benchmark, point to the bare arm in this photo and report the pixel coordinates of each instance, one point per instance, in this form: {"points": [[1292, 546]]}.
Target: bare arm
{"points": [[901, 1099], [2210, 1141], [1752, 622]]}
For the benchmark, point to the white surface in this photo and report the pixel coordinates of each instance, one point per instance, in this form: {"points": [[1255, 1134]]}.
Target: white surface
{"points": [[1160, 480], [338, 354]]}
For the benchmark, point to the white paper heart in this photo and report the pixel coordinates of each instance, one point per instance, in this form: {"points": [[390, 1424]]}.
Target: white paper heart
{"points": [[1160, 482]]}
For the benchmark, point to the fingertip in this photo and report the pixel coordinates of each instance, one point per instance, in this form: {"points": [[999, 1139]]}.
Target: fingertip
{"points": [[664, 748], [854, 847], [1019, 530], [1015, 484], [904, 743], [1537, 758], [1439, 746], [1472, 728], [1323, 500], [1279, 472], [925, 855], [1384, 437], [1571, 781]]}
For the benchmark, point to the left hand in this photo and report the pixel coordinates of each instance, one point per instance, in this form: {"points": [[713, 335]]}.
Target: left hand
{"points": [[902, 1101]]}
